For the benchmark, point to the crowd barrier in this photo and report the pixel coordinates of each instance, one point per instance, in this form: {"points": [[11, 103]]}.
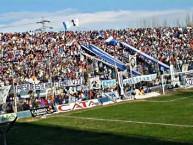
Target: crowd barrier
{"points": [[168, 82], [177, 80]]}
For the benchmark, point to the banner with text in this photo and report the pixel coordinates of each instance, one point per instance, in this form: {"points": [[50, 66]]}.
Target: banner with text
{"points": [[7, 117], [138, 79], [108, 83], [189, 82], [44, 86], [77, 105], [41, 111]]}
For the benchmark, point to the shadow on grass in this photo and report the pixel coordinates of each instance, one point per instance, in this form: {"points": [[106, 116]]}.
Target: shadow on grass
{"points": [[32, 134]]}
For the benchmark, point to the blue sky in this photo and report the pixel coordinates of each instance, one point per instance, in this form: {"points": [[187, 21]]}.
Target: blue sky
{"points": [[96, 14], [93, 6]]}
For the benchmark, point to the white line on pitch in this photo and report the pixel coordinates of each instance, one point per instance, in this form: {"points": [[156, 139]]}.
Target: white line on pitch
{"points": [[129, 121], [169, 100]]}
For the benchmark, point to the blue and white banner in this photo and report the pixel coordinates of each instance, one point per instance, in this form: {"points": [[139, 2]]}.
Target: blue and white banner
{"points": [[108, 83], [112, 95], [138, 79], [161, 64], [189, 82]]}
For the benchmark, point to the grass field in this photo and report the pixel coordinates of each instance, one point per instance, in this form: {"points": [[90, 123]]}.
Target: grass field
{"points": [[165, 120]]}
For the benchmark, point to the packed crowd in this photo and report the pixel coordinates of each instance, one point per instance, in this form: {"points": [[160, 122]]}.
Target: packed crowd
{"points": [[51, 56]]}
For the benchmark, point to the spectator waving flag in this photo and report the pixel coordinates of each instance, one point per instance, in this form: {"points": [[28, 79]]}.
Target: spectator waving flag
{"points": [[75, 22], [66, 25], [111, 41], [101, 34]]}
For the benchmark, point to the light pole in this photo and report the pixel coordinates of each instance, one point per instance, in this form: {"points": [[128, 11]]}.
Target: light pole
{"points": [[14, 90], [50, 76]]}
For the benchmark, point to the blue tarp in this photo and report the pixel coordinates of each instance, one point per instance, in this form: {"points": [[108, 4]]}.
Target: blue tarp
{"points": [[162, 65]]}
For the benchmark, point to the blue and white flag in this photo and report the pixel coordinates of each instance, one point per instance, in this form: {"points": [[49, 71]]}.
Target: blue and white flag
{"points": [[111, 41], [75, 22], [67, 25], [101, 35], [70, 43]]}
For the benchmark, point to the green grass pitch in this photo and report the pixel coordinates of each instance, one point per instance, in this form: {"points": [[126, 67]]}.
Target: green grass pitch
{"points": [[164, 120]]}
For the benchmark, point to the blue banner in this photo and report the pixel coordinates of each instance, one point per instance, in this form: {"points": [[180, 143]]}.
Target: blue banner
{"points": [[24, 114], [108, 83]]}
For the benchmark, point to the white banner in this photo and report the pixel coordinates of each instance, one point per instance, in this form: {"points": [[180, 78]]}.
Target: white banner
{"points": [[4, 91], [44, 86], [120, 80], [138, 79]]}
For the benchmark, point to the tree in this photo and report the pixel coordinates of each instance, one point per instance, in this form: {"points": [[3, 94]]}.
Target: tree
{"points": [[188, 21], [165, 23]]}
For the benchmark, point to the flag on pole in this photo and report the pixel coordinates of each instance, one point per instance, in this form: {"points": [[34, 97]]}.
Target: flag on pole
{"points": [[101, 34], [66, 25], [75, 22]]}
